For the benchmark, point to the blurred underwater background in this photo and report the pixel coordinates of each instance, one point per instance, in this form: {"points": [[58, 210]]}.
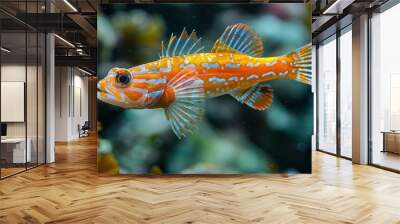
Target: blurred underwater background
{"points": [[232, 137]]}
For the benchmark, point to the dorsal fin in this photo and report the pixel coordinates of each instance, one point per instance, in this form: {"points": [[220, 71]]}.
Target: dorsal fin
{"points": [[185, 44], [239, 38]]}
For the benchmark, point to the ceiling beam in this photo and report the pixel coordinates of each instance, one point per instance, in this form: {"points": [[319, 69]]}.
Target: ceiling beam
{"points": [[44, 22], [86, 27], [337, 7], [78, 61]]}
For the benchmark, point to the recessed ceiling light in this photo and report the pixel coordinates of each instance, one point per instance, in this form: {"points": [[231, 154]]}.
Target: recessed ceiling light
{"points": [[337, 7], [328, 10], [65, 41], [5, 50], [84, 71], [70, 5]]}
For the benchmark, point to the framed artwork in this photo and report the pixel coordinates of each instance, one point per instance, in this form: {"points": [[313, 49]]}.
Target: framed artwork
{"points": [[204, 88]]}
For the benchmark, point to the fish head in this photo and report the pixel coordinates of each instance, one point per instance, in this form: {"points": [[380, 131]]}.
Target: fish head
{"points": [[127, 89]]}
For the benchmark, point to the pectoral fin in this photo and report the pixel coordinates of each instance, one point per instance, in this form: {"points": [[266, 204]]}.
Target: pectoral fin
{"points": [[258, 97], [188, 107]]}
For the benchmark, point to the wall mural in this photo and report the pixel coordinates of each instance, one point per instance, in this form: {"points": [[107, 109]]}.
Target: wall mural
{"points": [[204, 89]]}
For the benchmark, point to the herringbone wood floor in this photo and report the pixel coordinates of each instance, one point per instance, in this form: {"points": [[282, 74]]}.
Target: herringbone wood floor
{"points": [[71, 191]]}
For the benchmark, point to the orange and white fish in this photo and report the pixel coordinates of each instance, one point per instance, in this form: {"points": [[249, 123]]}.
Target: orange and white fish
{"points": [[185, 76]]}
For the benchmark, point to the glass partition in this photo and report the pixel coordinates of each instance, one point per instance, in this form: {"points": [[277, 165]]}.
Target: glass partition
{"points": [[327, 96], [22, 95], [14, 145]]}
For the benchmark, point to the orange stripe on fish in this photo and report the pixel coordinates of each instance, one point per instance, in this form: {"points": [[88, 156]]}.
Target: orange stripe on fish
{"points": [[185, 76]]}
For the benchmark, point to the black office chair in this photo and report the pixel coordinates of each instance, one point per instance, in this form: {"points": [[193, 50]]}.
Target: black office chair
{"points": [[84, 130]]}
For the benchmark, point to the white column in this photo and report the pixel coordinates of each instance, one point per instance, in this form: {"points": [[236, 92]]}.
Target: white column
{"points": [[360, 90], [50, 92], [62, 103], [50, 99]]}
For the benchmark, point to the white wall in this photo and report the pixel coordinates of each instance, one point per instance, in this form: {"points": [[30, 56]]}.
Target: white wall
{"points": [[33, 127], [61, 103], [71, 94], [16, 73], [10, 73], [80, 110]]}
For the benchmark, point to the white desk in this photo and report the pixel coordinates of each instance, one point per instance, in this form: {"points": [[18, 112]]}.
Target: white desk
{"points": [[19, 149]]}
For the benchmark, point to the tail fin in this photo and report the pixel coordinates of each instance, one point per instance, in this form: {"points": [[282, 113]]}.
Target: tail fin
{"points": [[302, 63]]}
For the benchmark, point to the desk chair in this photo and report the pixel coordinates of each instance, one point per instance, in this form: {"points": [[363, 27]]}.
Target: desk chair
{"points": [[84, 129]]}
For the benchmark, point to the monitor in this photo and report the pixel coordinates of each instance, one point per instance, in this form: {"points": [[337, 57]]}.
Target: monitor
{"points": [[3, 129]]}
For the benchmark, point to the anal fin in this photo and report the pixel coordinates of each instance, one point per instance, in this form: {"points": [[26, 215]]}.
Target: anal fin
{"points": [[258, 97]]}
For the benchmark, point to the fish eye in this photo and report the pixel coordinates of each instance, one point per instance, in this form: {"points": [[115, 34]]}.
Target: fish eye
{"points": [[123, 77]]}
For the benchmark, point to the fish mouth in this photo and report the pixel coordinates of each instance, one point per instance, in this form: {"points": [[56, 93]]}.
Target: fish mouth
{"points": [[101, 94], [110, 99], [104, 95]]}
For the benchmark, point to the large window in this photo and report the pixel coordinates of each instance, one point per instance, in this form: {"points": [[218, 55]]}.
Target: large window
{"points": [[346, 92], [327, 96], [385, 89], [334, 63]]}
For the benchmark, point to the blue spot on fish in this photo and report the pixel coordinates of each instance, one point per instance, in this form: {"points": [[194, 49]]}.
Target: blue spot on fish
{"points": [[210, 65], [252, 77], [283, 73], [268, 74], [234, 78], [183, 66], [216, 79], [165, 69], [251, 65], [155, 94], [230, 65], [150, 81]]}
